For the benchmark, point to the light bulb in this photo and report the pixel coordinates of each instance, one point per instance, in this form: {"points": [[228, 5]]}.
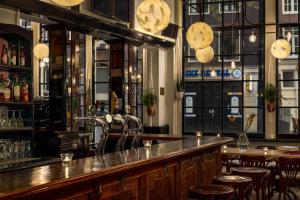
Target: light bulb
{"points": [[213, 73], [42, 64], [233, 64], [289, 36], [252, 37]]}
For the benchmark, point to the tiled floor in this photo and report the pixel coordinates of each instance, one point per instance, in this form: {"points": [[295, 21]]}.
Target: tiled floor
{"points": [[275, 197]]}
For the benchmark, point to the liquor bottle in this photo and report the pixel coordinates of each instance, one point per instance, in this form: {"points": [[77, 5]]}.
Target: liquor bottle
{"points": [[17, 90], [25, 92], [4, 55], [13, 56], [7, 91], [22, 57], [2, 86]]}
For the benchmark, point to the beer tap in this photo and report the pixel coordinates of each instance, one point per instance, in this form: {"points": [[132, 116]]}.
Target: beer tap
{"points": [[137, 132], [102, 121], [121, 142]]}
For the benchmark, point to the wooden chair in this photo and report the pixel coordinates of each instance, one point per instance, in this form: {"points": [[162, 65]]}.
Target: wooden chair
{"points": [[288, 170]]}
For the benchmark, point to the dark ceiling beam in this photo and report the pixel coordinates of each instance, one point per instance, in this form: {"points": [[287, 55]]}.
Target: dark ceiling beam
{"points": [[86, 24]]}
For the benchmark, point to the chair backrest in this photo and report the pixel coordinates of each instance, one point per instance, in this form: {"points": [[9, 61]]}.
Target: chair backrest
{"points": [[253, 161], [289, 168]]}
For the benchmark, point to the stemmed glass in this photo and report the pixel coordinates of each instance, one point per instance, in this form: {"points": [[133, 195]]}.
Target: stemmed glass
{"points": [[13, 120], [6, 120], [20, 122]]}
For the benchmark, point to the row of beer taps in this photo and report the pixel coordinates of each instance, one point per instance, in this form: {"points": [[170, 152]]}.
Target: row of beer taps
{"points": [[107, 121]]}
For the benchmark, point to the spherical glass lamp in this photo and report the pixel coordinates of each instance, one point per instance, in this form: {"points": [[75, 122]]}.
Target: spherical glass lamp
{"points": [[41, 51], [68, 2], [281, 49], [199, 35], [205, 55], [153, 15], [252, 37]]}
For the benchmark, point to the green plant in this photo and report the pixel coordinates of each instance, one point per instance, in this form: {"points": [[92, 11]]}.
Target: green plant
{"points": [[179, 85], [270, 93], [148, 98]]}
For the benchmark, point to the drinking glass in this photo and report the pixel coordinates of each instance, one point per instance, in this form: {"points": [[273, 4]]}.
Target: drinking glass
{"points": [[13, 120], [20, 122], [27, 149], [15, 149], [6, 120]]}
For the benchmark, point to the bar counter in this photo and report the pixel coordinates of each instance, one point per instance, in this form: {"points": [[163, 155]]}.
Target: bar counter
{"points": [[165, 171]]}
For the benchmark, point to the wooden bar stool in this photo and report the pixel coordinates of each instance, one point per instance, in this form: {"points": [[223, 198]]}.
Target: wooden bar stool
{"points": [[240, 184], [258, 176], [212, 192]]}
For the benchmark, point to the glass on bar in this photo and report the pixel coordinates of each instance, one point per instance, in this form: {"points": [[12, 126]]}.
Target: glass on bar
{"points": [[66, 158], [147, 143]]}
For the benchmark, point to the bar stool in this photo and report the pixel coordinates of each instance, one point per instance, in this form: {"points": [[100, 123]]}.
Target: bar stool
{"points": [[212, 192], [258, 176], [240, 184]]}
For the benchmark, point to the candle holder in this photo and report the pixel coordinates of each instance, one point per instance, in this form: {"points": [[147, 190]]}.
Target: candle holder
{"points": [[147, 144], [66, 158], [219, 135], [265, 148]]}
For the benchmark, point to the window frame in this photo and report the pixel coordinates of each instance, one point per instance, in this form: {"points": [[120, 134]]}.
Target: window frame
{"points": [[292, 11], [229, 12], [197, 13], [220, 54]]}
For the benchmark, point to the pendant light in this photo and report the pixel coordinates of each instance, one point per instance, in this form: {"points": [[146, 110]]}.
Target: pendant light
{"points": [[68, 3], [213, 73], [153, 15], [289, 35], [199, 35], [232, 64], [41, 50], [205, 55], [281, 48], [252, 37]]}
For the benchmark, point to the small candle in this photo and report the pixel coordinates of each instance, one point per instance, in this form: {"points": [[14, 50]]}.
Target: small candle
{"points": [[66, 159], [147, 144], [218, 135], [138, 78], [225, 147], [266, 148]]}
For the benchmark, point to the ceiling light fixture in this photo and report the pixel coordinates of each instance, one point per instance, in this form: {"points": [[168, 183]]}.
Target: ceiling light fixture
{"points": [[68, 3], [213, 73], [289, 35], [281, 48], [153, 15], [41, 50], [232, 64], [199, 35], [205, 55], [252, 37]]}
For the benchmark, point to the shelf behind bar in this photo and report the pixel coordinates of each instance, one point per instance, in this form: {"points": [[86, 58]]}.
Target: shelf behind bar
{"points": [[16, 129], [14, 68], [3, 103]]}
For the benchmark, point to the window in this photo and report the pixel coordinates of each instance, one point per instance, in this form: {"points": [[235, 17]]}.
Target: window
{"points": [[194, 7], [294, 40], [229, 7], [25, 23], [231, 45], [290, 6], [222, 103], [288, 75]]}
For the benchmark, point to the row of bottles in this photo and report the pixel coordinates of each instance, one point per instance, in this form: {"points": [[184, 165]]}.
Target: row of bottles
{"points": [[9, 56], [14, 91]]}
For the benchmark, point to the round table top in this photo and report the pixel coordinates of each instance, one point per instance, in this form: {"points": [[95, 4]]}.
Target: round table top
{"points": [[212, 190], [233, 179], [249, 170]]}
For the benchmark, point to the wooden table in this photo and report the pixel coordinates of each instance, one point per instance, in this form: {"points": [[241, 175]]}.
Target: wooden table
{"points": [[269, 154]]}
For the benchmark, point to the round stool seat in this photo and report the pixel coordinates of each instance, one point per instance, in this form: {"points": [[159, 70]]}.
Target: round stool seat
{"points": [[240, 184], [258, 176], [211, 191]]}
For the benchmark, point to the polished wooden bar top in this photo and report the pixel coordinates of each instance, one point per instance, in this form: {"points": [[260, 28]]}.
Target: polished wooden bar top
{"points": [[148, 136], [271, 154], [55, 175]]}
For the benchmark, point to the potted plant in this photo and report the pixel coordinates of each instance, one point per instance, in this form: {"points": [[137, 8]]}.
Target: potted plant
{"points": [[270, 94], [179, 89], [148, 99]]}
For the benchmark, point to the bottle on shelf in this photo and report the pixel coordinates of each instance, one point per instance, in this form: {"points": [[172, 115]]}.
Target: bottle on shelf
{"points": [[25, 92], [2, 87], [13, 56], [22, 57], [7, 91], [4, 55], [17, 90]]}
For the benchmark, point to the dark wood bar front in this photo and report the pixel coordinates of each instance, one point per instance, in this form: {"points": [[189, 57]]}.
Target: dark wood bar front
{"points": [[165, 171]]}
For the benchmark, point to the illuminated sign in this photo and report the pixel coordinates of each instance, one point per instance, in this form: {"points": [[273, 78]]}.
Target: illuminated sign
{"points": [[198, 73]]}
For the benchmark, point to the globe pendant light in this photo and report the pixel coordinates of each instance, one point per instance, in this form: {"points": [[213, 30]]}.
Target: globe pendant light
{"points": [[232, 64], [213, 73], [205, 55], [153, 15], [281, 49], [289, 35], [199, 35], [68, 2], [252, 37], [41, 51]]}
